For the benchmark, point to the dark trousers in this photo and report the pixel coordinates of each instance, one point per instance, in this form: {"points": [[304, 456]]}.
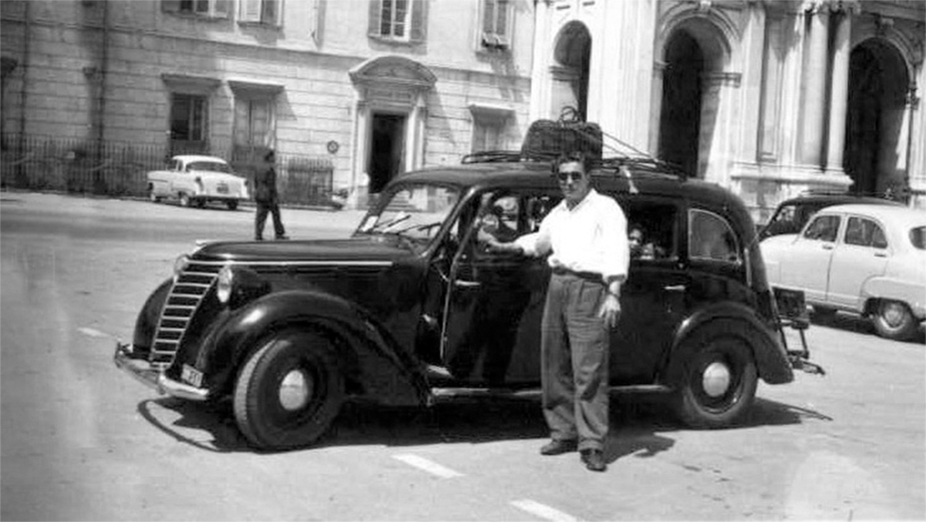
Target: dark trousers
{"points": [[261, 217], [574, 361]]}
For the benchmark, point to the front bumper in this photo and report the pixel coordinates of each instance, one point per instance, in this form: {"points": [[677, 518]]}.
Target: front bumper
{"points": [[143, 372]]}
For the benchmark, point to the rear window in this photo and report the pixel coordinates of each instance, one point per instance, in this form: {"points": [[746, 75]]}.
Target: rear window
{"points": [[918, 237]]}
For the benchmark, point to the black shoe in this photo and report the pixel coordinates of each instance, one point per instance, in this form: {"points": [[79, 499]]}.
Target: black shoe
{"points": [[558, 447], [258, 239], [594, 460], [282, 238]]}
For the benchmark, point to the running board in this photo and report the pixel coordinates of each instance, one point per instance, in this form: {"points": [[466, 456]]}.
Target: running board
{"points": [[449, 394]]}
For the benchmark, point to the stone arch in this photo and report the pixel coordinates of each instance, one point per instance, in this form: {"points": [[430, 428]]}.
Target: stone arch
{"points": [[572, 49], [880, 79], [695, 51], [389, 121]]}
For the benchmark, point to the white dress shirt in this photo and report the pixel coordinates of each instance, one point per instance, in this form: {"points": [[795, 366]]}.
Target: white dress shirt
{"points": [[591, 237]]}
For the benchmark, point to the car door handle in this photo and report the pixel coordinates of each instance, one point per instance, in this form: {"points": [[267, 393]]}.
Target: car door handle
{"points": [[466, 284], [880, 254], [827, 247], [675, 288]]}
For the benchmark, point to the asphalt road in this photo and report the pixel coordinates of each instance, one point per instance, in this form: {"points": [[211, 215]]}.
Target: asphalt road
{"points": [[79, 440]]}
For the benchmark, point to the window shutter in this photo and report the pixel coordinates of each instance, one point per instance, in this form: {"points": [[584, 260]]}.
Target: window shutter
{"points": [[242, 122], [488, 16], [170, 6], [501, 25], [419, 21], [250, 11], [222, 8], [376, 9]]}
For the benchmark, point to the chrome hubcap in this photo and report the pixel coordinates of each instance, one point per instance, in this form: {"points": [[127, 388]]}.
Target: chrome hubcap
{"points": [[892, 313], [715, 381], [295, 390]]}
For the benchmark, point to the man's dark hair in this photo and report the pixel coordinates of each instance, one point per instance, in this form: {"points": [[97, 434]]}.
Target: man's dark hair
{"points": [[573, 157], [270, 154]]}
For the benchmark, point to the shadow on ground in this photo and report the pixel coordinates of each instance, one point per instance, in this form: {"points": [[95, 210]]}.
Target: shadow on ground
{"points": [[857, 324], [639, 424]]}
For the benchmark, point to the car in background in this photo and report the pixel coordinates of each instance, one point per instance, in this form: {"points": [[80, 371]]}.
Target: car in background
{"points": [[197, 180], [792, 214], [862, 258]]}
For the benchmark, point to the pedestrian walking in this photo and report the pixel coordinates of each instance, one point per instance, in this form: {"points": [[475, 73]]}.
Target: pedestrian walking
{"points": [[586, 237], [267, 199]]}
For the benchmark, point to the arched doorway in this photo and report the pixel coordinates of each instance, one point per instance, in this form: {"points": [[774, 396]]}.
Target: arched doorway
{"points": [[878, 83], [680, 116], [572, 55]]}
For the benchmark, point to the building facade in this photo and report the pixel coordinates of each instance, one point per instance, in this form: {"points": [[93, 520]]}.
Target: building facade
{"points": [[767, 97], [372, 87]]}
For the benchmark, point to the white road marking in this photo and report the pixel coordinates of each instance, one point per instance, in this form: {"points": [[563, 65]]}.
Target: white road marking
{"points": [[427, 465], [94, 333], [543, 511]]}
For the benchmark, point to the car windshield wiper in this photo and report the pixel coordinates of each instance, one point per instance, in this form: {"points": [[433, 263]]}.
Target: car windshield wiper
{"points": [[385, 225], [422, 227]]}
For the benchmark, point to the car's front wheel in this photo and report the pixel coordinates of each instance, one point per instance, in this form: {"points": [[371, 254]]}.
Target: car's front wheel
{"points": [[893, 320], [289, 391], [232, 204], [152, 195], [715, 381], [185, 200]]}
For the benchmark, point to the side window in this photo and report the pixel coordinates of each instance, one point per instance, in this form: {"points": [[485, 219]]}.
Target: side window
{"points": [[206, 8], [711, 237], [260, 12], [823, 228], [652, 229]]}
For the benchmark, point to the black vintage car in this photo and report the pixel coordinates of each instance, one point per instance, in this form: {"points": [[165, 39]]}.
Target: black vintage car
{"points": [[412, 309]]}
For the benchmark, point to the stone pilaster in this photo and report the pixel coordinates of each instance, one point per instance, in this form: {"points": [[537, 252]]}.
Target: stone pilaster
{"points": [[839, 93], [813, 91]]}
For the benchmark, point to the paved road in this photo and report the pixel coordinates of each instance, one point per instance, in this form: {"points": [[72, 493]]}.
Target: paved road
{"points": [[81, 441]]}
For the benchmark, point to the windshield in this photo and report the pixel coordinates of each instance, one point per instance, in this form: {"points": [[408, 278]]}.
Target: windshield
{"points": [[412, 211], [210, 166]]}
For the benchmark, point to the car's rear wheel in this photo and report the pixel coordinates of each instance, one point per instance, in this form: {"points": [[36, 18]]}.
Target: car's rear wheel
{"points": [[185, 200], [152, 196], [893, 320], [289, 391], [715, 381], [232, 205]]}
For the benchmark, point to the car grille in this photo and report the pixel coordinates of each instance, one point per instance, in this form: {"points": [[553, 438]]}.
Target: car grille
{"points": [[187, 293]]}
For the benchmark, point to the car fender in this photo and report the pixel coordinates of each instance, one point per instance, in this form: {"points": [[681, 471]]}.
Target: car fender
{"points": [[370, 355], [739, 320], [150, 314], [896, 290]]}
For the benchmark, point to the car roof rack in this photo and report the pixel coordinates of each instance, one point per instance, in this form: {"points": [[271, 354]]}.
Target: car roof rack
{"points": [[571, 133]]}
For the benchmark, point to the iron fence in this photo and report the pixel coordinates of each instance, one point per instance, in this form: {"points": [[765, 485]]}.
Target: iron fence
{"points": [[119, 169]]}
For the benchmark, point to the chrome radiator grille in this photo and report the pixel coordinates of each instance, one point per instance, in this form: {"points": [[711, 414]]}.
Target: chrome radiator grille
{"points": [[182, 302]]}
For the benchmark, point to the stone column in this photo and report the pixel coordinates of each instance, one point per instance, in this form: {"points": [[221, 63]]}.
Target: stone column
{"points": [[839, 94], [813, 102], [656, 106]]}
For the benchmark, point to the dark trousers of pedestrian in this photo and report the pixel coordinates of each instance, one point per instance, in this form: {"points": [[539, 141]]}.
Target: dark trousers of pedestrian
{"points": [[574, 361], [261, 218]]}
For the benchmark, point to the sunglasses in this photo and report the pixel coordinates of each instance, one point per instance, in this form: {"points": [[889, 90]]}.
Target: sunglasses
{"points": [[567, 176]]}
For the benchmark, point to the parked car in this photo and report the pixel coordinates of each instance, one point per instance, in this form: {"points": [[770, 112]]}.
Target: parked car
{"points": [[412, 310], [197, 180], [792, 214], [865, 259]]}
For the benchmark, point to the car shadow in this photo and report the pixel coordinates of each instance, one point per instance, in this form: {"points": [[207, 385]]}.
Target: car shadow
{"points": [[856, 323], [639, 424]]}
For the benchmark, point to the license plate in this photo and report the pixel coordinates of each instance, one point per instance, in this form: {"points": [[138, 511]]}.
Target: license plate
{"points": [[191, 375], [222, 188]]}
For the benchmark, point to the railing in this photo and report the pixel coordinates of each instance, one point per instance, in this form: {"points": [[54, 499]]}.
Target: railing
{"points": [[115, 168]]}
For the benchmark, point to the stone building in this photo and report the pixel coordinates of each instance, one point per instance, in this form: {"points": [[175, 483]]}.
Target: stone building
{"points": [[371, 86], [767, 97]]}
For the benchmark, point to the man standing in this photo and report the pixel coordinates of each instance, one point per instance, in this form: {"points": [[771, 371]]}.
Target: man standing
{"points": [[586, 237], [267, 199]]}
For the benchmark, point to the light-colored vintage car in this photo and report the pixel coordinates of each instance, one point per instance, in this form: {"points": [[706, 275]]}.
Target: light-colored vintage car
{"points": [[197, 180], [865, 259]]}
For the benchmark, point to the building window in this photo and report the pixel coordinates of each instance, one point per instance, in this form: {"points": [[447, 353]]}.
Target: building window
{"points": [[206, 8], [398, 20], [254, 128], [188, 122], [489, 125], [496, 24], [260, 12]]}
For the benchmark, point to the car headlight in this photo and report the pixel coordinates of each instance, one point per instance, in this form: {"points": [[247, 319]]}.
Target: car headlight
{"points": [[180, 264], [225, 285]]}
